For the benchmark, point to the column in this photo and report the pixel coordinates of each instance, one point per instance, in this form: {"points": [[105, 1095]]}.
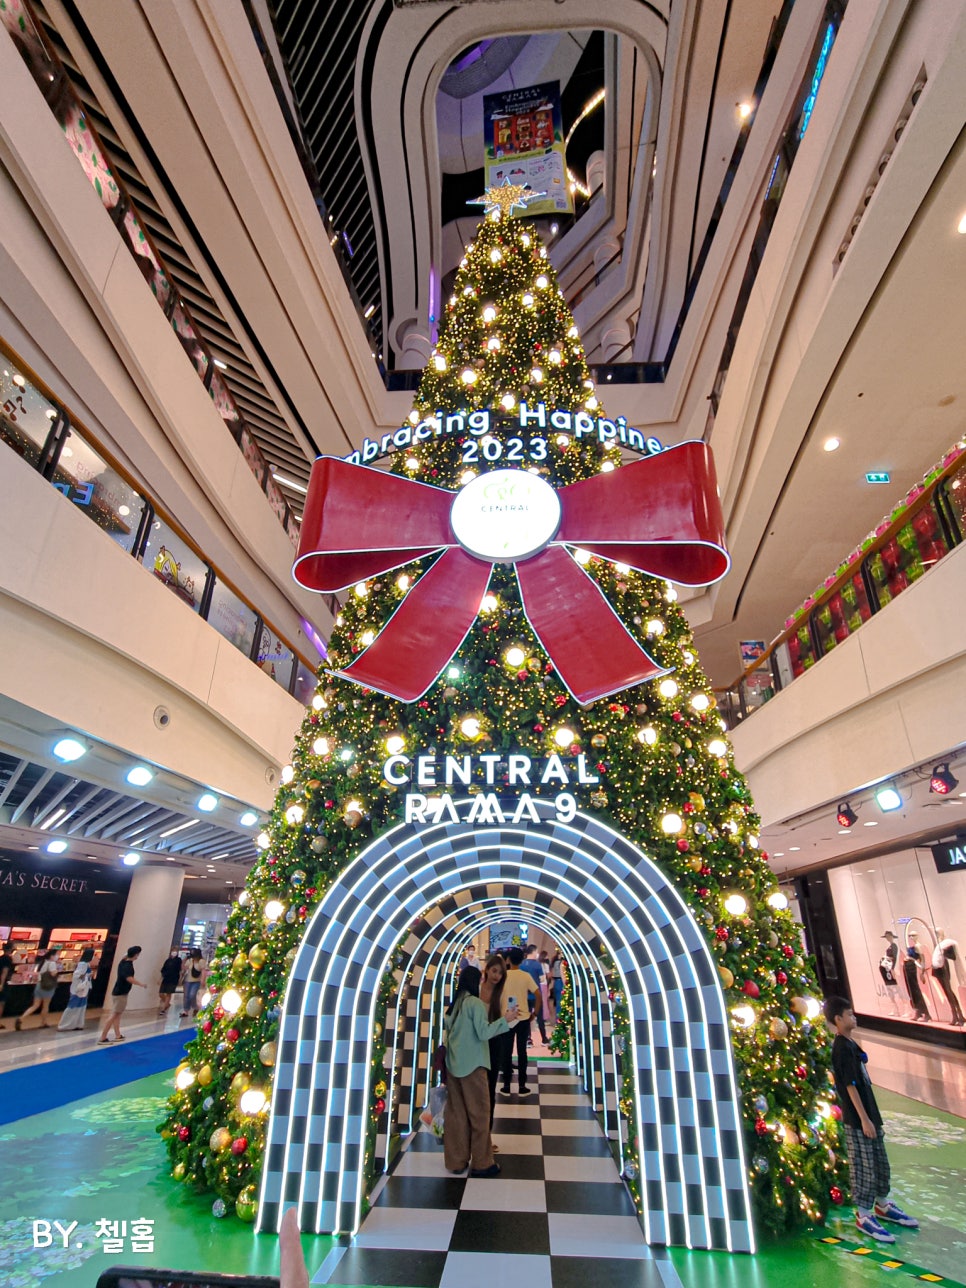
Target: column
{"points": [[149, 920]]}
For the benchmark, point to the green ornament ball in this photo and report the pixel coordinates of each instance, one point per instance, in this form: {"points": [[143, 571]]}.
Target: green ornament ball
{"points": [[246, 1205]]}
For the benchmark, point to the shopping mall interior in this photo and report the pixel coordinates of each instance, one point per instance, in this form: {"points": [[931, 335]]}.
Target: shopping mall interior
{"points": [[238, 236]]}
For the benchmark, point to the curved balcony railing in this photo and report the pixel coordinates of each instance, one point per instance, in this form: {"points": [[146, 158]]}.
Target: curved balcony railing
{"points": [[927, 524], [43, 433]]}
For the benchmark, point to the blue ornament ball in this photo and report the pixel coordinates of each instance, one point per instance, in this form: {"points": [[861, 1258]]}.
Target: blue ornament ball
{"points": [[208, 1103], [297, 878], [761, 1105], [222, 1046], [760, 1164], [218, 1208]]}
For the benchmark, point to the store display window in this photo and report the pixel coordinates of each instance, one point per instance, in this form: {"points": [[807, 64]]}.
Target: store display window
{"points": [[90, 483], [26, 944], [175, 564], [70, 943], [232, 618], [26, 416], [903, 931]]}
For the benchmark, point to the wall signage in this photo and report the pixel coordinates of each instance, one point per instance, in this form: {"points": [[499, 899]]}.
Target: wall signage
{"points": [[950, 856], [536, 422], [506, 771]]}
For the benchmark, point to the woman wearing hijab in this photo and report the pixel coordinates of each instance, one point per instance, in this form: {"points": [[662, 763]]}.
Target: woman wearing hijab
{"points": [[491, 995], [466, 1139], [75, 1012]]}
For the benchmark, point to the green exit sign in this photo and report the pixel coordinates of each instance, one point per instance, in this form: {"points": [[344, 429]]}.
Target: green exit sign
{"points": [[877, 477]]}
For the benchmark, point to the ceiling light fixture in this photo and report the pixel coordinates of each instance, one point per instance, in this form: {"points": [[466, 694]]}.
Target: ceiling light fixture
{"points": [[222, 366], [846, 815], [139, 776], [961, 226], [831, 444], [131, 859], [745, 110], [192, 822], [249, 818], [70, 748], [56, 847], [942, 781], [296, 487], [888, 799], [207, 802]]}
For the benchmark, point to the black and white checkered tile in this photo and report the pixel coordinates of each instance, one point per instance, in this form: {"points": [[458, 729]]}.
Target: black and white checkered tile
{"points": [[558, 1216]]}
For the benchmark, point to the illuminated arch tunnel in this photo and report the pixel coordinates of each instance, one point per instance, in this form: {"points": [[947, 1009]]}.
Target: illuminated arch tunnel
{"points": [[421, 886]]}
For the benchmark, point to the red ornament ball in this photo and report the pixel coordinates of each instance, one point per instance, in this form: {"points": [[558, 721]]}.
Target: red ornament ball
{"points": [[329, 804], [800, 1071], [538, 728], [206, 1027], [705, 871], [788, 950], [239, 1145], [218, 1013], [676, 717], [750, 988], [837, 1113], [703, 891], [683, 845], [232, 1035], [721, 932], [687, 807], [522, 675], [184, 1133], [761, 1127], [380, 1106], [781, 977], [835, 1194]]}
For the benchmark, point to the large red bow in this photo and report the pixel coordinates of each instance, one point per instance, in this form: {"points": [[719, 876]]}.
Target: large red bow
{"points": [[660, 515]]}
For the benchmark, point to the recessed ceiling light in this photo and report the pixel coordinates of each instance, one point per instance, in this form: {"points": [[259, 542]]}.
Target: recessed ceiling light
{"points": [[779, 854], [249, 818], [139, 776], [831, 444], [207, 802], [56, 847], [845, 831], [192, 822], [794, 847], [872, 822], [745, 110], [70, 748], [961, 226], [131, 859]]}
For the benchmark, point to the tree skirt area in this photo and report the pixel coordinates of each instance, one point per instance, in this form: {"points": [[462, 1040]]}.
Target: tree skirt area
{"points": [[100, 1158]]}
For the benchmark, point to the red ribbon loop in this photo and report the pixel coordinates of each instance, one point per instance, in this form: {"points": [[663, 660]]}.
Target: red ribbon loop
{"points": [[660, 515]]}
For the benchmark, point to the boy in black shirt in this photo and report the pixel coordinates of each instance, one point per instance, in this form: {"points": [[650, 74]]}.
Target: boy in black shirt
{"points": [[862, 1123]]}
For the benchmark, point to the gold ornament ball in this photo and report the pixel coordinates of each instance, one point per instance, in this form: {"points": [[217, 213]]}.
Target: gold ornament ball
{"points": [[599, 740], [535, 665], [778, 1028], [178, 1171], [353, 819], [772, 939], [220, 1139], [318, 844], [241, 1082], [354, 771], [257, 956], [598, 799], [727, 978], [799, 1006], [695, 863], [698, 801], [240, 962], [267, 1053], [290, 956], [204, 1075], [244, 899], [253, 1007], [246, 1205], [379, 1089], [311, 786], [377, 1030], [449, 693]]}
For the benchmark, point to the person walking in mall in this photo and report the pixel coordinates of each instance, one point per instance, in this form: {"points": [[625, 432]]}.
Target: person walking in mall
{"points": [[7, 968], [120, 992], [44, 989], [519, 988], [491, 995], [193, 977], [466, 1138], [557, 980], [171, 970], [869, 1171], [75, 1012], [535, 970]]}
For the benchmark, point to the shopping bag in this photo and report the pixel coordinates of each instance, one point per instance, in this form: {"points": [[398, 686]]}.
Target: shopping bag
{"points": [[437, 1108]]}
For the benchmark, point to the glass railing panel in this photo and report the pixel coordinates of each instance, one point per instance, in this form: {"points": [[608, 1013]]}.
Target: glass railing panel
{"points": [[956, 499], [26, 416], [87, 480], [801, 651], [175, 564], [275, 658], [305, 684], [232, 618]]}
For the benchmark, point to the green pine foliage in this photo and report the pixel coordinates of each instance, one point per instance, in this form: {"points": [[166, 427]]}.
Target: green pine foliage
{"points": [[667, 780]]}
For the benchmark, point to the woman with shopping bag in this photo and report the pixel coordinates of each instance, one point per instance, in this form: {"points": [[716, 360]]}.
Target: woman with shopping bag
{"points": [[80, 986], [466, 1139]]}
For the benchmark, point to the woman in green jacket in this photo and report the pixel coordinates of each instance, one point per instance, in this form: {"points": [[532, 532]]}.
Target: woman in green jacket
{"points": [[466, 1135]]}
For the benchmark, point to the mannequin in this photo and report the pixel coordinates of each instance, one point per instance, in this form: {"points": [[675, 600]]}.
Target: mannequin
{"points": [[911, 966], [945, 954], [888, 969]]}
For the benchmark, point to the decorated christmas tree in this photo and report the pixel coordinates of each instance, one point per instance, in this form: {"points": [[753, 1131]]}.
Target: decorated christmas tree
{"points": [[508, 387]]}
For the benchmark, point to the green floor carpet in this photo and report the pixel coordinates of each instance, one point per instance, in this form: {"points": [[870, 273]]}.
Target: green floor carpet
{"points": [[99, 1158]]}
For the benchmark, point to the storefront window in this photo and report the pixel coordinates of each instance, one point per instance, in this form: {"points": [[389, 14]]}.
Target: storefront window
{"points": [[26, 416], [275, 658], [305, 683], [175, 564], [102, 494], [902, 926], [232, 618]]}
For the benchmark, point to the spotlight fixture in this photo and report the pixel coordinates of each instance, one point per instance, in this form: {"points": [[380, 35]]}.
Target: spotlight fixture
{"points": [[846, 815], [139, 776], [70, 748], [942, 781], [888, 799]]}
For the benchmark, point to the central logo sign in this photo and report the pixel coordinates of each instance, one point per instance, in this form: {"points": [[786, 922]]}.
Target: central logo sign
{"points": [[505, 515]]}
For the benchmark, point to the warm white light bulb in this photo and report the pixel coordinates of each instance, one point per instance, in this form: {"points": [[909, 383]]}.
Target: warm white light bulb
{"points": [[395, 743], [515, 656], [353, 807], [361, 590], [274, 909], [736, 904], [813, 1008], [777, 901], [184, 1079], [508, 402], [543, 281], [647, 736], [527, 300], [467, 477], [591, 403], [671, 824], [555, 356], [668, 689], [468, 376], [288, 773], [563, 736], [402, 581], [230, 1001], [252, 1101], [439, 362], [655, 626], [536, 375], [366, 638], [321, 746], [319, 703], [495, 255], [582, 557], [488, 603], [489, 313], [263, 840], [717, 747], [470, 727], [412, 463], [671, 595], [607, 466], [744, 1015], [700, 702], [572, 333], [493, 344], [294, 815]]}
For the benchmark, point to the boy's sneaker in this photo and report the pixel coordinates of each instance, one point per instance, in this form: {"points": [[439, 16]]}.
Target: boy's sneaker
{"points": [[893, 1212], [871, 1228]]}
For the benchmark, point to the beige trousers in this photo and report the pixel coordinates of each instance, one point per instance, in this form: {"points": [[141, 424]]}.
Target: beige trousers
{"points": [[467, 1132]]}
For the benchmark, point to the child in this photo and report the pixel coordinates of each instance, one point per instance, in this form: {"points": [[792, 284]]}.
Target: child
{"points": [[862, 1122]]}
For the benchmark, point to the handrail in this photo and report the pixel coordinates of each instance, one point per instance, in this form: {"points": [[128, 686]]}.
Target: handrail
{"points": [[931, 491], [66, 424]]}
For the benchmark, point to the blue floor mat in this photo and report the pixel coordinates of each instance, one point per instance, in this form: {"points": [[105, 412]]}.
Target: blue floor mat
{"points": [[48, 1086]]}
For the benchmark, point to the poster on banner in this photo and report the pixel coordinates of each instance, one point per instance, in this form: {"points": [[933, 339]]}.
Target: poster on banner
{"points": [[523, 129], [751, 651]]}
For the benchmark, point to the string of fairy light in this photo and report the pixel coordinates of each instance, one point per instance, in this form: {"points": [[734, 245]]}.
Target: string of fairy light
{"points": [[665, 775]]}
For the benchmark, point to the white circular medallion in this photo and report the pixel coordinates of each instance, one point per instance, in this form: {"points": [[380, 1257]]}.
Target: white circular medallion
{"points": [[506, 515]]}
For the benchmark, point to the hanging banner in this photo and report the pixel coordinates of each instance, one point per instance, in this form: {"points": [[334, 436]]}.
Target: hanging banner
{"points": [[523, 129]]}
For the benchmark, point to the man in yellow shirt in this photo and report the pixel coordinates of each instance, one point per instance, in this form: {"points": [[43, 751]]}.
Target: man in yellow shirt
{"points": [[523, 989]]}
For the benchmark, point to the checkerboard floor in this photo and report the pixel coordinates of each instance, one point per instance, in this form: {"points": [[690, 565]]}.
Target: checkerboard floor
{"points": [[557, 1217]]}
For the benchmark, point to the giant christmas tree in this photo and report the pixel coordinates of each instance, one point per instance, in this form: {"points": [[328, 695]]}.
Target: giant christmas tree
{"points": [[666, 779]]}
